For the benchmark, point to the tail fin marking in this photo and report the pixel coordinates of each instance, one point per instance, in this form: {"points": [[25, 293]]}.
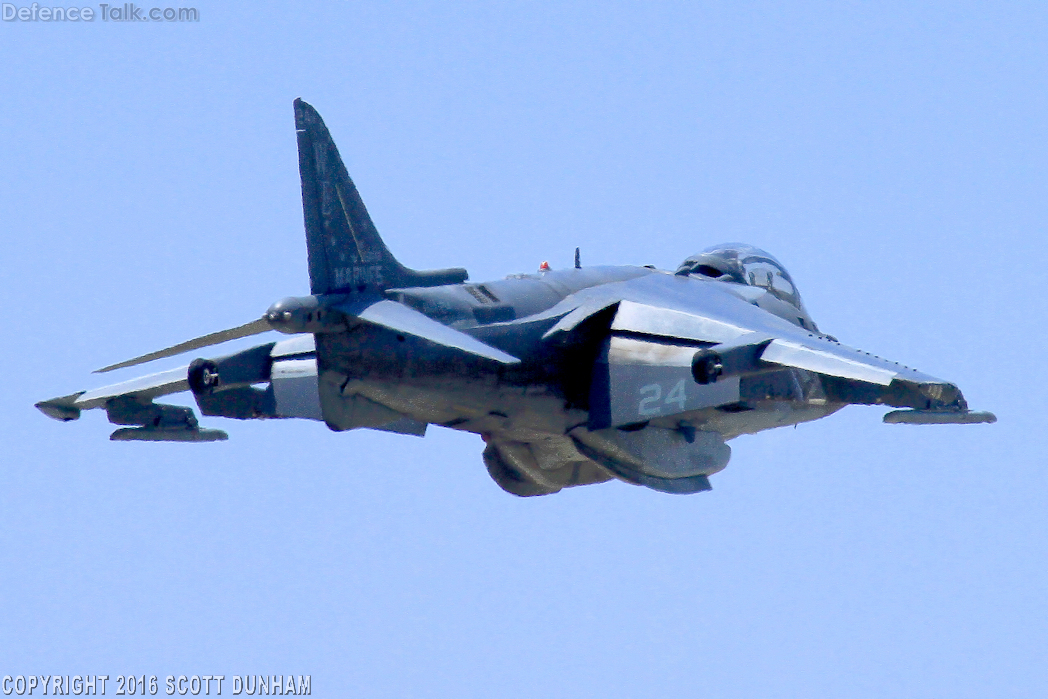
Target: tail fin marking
{"points": [[346, 253]]}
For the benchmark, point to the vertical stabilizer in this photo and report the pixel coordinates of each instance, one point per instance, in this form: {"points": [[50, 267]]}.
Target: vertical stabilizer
{"points": [[346, 253]]}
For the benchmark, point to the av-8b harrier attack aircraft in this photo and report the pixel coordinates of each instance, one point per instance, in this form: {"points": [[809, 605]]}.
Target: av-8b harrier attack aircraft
{"points": [[571, 377]]}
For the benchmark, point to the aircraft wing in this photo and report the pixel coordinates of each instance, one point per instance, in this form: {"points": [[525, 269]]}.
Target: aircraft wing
{"points": [[145, 389], [131, 403], [274, 380], [707, 330]]}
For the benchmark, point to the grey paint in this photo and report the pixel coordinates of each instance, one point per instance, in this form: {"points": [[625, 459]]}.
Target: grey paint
{"points": [[572, 377], [295, 388]]}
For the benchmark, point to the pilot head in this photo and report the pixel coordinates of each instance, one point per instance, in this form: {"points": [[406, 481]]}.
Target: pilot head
{"points": [[744, 264]]}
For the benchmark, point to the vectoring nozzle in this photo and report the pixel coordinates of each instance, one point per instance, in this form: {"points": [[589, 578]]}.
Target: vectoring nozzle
{"points": [[706, 366], [724, 361]]}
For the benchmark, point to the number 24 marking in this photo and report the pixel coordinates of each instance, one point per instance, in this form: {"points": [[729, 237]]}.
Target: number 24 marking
{"points": [[652, 393]]}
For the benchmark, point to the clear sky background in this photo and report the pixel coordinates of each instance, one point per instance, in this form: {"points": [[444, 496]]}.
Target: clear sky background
{"points": [[893, 156]]}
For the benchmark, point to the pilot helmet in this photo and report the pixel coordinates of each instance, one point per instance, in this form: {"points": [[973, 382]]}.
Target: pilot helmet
{"points": [[743, 264]]}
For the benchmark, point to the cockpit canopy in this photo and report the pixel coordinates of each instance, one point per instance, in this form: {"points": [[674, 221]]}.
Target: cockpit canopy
{"points": [[745, 264]]}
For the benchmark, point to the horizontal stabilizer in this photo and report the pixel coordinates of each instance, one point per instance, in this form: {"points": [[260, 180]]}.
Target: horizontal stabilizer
{"points": [[400, 318], [255, 327]]}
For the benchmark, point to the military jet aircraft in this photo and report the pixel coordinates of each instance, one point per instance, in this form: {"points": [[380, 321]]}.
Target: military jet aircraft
{"points": [[571, 377]]}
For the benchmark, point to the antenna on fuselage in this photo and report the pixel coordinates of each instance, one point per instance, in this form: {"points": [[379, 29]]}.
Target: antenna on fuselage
{"points": [[578, 259]]}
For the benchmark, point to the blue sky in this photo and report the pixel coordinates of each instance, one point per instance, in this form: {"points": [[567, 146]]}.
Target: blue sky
{"points": [[893, 156]]}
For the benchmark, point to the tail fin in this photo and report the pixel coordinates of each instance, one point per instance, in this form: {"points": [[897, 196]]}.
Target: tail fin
{"points": [[346, 253]]}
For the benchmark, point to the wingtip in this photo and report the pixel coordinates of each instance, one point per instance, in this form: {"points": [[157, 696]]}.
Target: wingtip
{"points": [[63, 409], [118, 365], [114, 367]]}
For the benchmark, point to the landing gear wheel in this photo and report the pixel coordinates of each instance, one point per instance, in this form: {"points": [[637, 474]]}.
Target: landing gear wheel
{"points": [[203, 377], [706, 366]]}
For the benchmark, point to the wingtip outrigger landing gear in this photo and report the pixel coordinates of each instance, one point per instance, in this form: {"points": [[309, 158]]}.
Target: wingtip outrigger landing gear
{"points": [[146, 421]]}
